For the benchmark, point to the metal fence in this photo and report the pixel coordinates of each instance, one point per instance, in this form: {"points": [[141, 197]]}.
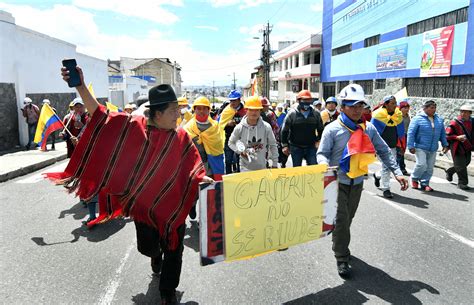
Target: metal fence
{"points": [[459, 87]]}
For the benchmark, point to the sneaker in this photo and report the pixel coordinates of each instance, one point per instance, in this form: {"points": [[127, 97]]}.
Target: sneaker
{"points": [[376, 180], [344, 270], [156, 264], [428, 188], [449, 176], [463, 187], [387, 194], [414, 184]]}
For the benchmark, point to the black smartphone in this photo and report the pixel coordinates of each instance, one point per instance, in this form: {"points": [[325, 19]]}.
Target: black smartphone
{"points": [[74, 78]]}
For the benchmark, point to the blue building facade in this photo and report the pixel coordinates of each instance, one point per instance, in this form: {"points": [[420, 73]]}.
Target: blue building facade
{"points": [[369, 41]]}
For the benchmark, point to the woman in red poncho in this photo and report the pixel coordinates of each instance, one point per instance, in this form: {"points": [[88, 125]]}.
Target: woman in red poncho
{"points": [[151, 167]]}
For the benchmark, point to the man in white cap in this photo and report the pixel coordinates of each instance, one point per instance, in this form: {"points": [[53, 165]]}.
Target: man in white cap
{"points": [[31, 114], [460, 136], [336, 140]]}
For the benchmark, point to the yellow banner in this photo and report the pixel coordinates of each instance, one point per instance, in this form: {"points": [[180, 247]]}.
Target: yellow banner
{"points": [[267, 210]]}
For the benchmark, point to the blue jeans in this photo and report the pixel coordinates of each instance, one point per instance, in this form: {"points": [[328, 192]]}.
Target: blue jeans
{"points": [[423, 170], [31, 133], [298, 153]]}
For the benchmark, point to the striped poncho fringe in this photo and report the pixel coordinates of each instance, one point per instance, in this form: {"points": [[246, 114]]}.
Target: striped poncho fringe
{"points": [[154, 173]]}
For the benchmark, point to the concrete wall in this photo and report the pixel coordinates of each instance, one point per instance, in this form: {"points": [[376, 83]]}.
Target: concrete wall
{"points": [[8, 117], [31, 61]]}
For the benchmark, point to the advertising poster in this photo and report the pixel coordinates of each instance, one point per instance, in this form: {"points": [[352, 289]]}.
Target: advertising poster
{"points": [[437, 52], [392, 58]]}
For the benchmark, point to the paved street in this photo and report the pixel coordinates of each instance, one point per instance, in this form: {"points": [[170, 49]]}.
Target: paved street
{"points": [[414, 249]]}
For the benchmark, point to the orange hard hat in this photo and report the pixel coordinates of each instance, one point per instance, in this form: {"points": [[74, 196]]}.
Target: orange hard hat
{"points": [[304, 95]]}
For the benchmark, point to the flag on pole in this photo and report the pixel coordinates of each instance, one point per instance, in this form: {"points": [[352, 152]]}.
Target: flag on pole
{"points": [[112, 108], [48, 123]]}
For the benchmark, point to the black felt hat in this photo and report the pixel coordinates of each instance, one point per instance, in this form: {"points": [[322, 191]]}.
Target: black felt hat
{"points": [[161, 94]]}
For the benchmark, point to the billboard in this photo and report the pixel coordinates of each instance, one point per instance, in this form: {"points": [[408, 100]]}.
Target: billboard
{"points": [[437, 52], [392, 58]]}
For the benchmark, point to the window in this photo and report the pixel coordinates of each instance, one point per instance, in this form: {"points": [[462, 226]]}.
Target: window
{"points": [[297, 60], [342, 84], [317, 58], [275, 85], [380, 83], [341, 50], [372, 41], [307, 58], [454, 17], [367, 85], [329, 89], [314, 84], [461, 87]]}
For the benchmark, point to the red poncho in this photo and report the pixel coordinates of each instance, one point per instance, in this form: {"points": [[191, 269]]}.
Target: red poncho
{"points": [[154, 172]]}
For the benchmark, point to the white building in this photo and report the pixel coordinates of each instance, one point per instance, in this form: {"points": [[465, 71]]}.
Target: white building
{"points": [[294, 68], [30, 65]]}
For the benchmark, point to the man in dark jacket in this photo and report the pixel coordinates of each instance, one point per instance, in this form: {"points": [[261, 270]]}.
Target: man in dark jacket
{"points": [[460, 136], [302, 131]]}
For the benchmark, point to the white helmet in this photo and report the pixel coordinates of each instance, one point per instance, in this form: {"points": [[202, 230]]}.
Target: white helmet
{"points": [[352, 92], [46, 101], [27, 100]]}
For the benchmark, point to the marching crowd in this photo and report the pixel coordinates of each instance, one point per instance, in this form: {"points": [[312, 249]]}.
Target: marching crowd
{"points": [[166, 147]]}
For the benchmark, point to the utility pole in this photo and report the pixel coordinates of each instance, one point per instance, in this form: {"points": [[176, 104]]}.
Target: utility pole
{"points": [[234, 87], [213, 92], [266, 53]]}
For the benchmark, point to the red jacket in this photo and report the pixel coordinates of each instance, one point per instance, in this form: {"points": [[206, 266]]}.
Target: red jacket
{"points": [[455, 129]]}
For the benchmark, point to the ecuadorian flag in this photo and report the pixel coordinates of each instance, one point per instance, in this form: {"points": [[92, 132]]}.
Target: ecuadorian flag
{"points": [[112, 108], [381, 119], [48, 122], [359, 151]]}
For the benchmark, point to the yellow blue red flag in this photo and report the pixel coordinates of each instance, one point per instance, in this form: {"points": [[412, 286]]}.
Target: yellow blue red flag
{"points": [[359, 151], [112, 108], [48, 122]]}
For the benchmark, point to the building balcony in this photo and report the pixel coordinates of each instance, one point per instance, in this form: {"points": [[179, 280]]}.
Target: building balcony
{"points": [[312, 70]]}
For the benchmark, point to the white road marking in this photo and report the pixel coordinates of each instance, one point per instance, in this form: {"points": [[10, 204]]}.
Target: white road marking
{"points": [[438, 227], [114, 283], [39, 177]]}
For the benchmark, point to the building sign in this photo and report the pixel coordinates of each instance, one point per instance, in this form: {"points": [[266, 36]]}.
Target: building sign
{"points": [[392, 58], [437, 52]]}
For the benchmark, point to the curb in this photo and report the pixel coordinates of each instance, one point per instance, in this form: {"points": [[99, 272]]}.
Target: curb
{"points": [[441, 164], [31, 168]]}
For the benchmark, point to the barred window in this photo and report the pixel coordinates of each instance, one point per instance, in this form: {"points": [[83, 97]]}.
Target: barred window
{"points": [[329, 89], [367, 85], [275, 85], [342, 84], [341, 50], [380, 83], [461, 87], [451, 18], [372, 41]]}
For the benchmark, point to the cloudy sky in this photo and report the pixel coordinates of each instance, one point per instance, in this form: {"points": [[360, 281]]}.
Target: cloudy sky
{"points": [[210, 39]]}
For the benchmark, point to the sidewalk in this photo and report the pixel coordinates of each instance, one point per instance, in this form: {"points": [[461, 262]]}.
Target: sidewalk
{"points": [[443, 162], [21, 163]]}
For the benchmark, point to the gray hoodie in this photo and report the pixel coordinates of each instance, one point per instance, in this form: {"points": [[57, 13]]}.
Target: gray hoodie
{"points": [[260, 138]]}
